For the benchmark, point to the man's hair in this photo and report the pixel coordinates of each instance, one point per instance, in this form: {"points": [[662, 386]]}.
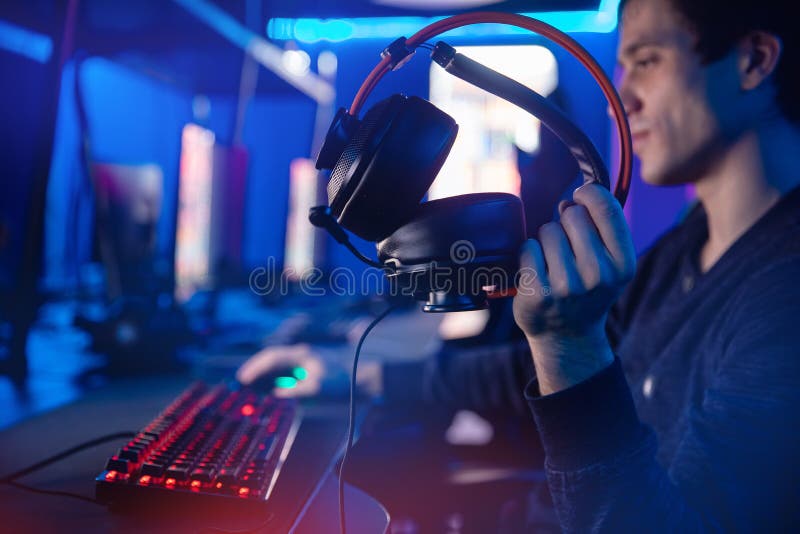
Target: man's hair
{"points": [[720, 24]]}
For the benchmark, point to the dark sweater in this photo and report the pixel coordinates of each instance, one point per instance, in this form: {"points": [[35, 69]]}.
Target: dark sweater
{"points": [[695, 425]]}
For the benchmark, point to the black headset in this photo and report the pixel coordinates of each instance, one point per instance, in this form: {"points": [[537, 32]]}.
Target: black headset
{"points": [[452, 252]]}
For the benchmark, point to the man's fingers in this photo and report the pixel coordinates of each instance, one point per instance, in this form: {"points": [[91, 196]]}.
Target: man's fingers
{"points": [[255, 366], [592, 259], [607, 215], [532, 277], [268, 359], [561, 269], [303, 388]]}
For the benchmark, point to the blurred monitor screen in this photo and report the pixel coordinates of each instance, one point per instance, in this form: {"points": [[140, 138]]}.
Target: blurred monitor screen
{"points": [[483, 158], [300, 234], [193, 232], [128, 200]]}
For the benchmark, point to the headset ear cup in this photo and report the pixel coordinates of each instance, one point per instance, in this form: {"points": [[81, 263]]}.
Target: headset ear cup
{"points": [[339, 134], [388, 165], [468, 232]]}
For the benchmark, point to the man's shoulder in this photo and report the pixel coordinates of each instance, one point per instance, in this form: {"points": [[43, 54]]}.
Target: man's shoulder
{"points": [[772, 283], [758, 323]]}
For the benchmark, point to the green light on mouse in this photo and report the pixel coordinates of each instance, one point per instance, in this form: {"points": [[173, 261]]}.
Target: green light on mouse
{"points": [[300, 373], [285, 382]]}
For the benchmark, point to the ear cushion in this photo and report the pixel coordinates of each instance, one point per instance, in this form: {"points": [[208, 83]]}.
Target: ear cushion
{"points": [[388, 165], [475, 228]]}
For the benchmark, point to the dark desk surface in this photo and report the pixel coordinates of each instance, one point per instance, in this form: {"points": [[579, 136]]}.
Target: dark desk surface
{"points": [[306, 488]]}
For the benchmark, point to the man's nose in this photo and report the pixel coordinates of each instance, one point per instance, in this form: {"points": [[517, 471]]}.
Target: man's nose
{"points": [[630, 101], [630, 104]]}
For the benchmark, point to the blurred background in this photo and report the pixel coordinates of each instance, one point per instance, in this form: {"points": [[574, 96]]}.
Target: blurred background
{"points": [[155, 155]]}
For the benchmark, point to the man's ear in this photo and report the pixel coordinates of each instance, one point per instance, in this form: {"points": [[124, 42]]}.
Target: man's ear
{"points": [[759, 52]]}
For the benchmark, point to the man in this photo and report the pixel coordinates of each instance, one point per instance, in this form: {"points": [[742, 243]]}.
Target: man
{"points": [[699, 432], [666, 392]]}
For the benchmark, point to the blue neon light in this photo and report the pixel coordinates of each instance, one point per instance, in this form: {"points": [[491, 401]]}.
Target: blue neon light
{"points": [[25, 42], [308, 30]]}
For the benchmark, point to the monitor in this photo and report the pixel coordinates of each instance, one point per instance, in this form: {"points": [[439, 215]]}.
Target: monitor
{"points": [[484, 158], [128, 201], [193, 226], [302, 239], [209, 226]]}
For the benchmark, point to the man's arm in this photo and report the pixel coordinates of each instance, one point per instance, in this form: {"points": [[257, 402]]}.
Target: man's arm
{"points": [[488, 380], [736, 467]]}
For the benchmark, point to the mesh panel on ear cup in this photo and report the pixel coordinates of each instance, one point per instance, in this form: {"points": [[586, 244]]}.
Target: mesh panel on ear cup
{"points": [[389, 164], [378, 115]]}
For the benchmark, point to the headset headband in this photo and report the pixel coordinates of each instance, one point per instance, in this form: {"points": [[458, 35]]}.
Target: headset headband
{"points": [[388, 62]]}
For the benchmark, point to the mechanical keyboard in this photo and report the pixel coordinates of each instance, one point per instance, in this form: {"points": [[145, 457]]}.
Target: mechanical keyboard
{"points": [[219, 445]]}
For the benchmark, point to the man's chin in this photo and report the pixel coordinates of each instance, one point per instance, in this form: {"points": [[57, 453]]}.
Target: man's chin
{"points": [[651, 177], [660, 177]]}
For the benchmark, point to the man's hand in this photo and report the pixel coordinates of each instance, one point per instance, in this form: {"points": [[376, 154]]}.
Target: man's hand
{"points": [[581, 265], [325, 371], [272, 358]]}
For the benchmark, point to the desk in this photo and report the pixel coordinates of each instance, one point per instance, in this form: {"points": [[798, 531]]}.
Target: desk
{"points": [[305, 492]]}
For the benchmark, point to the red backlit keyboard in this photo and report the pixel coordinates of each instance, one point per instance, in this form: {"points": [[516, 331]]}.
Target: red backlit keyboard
{"points": [[214, 444]]}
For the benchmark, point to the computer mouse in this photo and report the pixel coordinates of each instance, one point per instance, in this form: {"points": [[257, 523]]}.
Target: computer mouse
{"points": [[286, 377]]}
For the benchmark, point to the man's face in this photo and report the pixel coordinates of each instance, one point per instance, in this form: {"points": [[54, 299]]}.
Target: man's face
{"points": [[674, 103]]}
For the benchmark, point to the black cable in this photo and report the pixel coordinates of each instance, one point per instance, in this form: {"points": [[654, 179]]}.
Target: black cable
{"points": [[352, 416], [69, 452], [321, 217], [360, 256], [10, 480], [50, 492]]}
